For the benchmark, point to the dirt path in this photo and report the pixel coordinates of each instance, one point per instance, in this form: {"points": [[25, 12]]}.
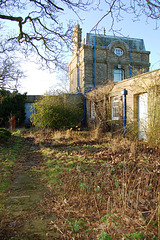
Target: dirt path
{"points": [[24, 217]]}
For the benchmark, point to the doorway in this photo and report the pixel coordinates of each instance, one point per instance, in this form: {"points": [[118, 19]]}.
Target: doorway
{"points": [[142, 116]]}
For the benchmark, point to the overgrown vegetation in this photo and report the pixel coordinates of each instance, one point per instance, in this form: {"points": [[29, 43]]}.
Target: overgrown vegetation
{"points": [[101, 102], [105, 189], [57, 111]]}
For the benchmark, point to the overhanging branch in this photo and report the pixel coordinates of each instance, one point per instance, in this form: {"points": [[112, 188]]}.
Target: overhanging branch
{"points": [[11, 18]]}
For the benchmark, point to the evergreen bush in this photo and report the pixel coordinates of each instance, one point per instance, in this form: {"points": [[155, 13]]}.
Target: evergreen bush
{"points": [[60, 111], [4, 135]]}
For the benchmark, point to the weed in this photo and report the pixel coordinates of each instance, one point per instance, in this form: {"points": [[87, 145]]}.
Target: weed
{"points": [[57, 168], [80, 168], [104, 218], [110, 217], [99, 197], [58, 135], [116, 183], [51, 163], [87, 232], [136, 235], [83, 185], [90, 148], [99, 174], [153, 237], [75, 225], [68, 134], [104, 236], [97, 189], [71, 164], [106, 165], [155, 224]]}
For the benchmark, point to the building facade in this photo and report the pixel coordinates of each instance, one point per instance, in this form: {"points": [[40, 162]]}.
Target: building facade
{"points": [[98, 58], [105, 104]]}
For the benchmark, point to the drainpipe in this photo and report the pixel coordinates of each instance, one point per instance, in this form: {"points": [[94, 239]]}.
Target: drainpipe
{"points": [[78, 84], [130, 65], [124, 93], [84, 110], [95, 62]]}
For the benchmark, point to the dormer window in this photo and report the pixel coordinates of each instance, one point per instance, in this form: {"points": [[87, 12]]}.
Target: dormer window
{"points": [[118, 51]]}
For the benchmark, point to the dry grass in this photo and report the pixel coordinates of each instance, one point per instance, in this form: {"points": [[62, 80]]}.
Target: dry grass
{"points": [[108, 186]]}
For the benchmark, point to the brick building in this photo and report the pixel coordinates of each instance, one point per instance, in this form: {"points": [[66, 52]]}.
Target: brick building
{"points": [[98, 58]]}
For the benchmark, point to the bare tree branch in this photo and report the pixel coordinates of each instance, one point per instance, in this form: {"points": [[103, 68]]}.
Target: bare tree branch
{"points": [[108, 12], [41, 30], [116, 9], [17, 19]]}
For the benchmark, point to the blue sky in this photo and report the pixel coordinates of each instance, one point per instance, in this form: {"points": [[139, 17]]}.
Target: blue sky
{"points": [[38, 81]]}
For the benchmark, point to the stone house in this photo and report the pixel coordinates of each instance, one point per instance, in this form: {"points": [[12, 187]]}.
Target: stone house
{"points": [[105, 104], [98, 58]]}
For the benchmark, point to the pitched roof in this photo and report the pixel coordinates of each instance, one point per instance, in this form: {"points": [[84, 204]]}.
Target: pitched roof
{"points": [[134, 44]]}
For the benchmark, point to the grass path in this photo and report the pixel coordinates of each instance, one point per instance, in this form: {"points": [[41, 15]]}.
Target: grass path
{"points": [[23, 216]]}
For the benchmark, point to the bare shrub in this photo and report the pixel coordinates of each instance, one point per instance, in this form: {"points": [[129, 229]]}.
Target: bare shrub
{"points": [[58, 135], [100, 98]]}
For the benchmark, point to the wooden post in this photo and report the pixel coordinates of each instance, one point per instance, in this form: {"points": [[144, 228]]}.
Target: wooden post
{"points": [[12, 123], [124, 93]]}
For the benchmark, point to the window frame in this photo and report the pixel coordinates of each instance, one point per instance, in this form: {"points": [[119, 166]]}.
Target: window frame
{"points": [[115, 108], [92, 110], [118, 51], [118, 72]]}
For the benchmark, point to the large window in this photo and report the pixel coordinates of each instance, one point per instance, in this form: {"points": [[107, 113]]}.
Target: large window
{"points": [[118, 75], [115, 108]]}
